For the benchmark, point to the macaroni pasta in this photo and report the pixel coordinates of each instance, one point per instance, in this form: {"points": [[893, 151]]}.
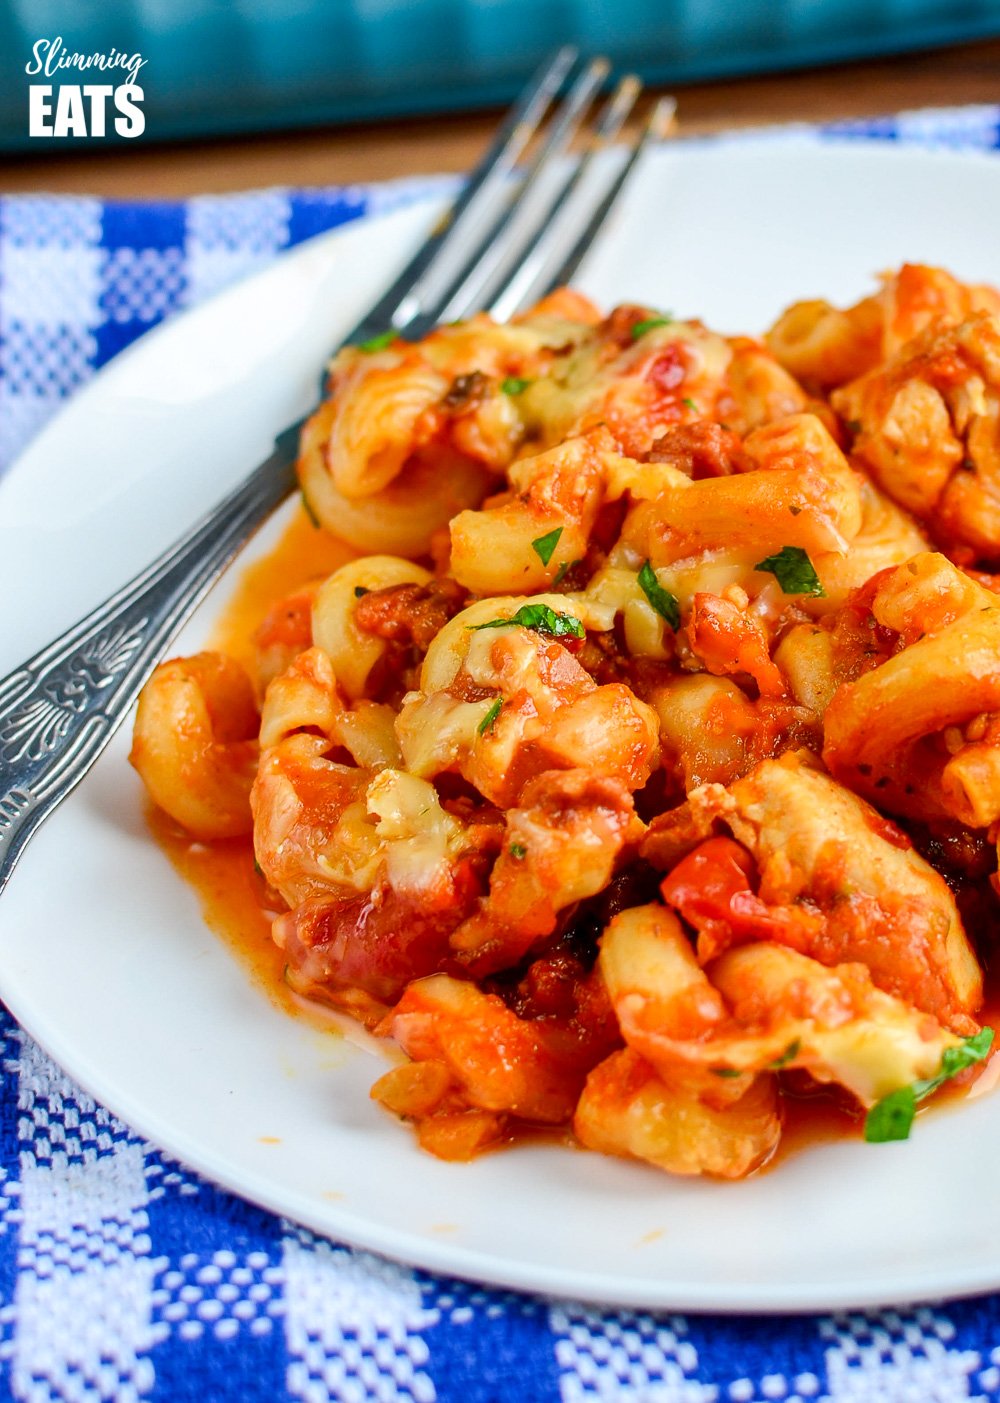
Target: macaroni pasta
{"points": [[643, 769]]}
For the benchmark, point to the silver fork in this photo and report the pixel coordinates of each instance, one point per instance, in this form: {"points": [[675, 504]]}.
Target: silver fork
{"points": [[506, 241]]}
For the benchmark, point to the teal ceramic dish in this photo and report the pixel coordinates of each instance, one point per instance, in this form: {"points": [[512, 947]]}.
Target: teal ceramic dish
{"points": [[214, 68]]}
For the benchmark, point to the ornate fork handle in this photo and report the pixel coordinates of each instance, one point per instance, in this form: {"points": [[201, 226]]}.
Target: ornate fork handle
{"points": [[59, 709]]}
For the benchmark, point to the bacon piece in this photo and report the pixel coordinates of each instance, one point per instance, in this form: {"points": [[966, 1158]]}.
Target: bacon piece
{"points": [[377, 941], [410, 614], [700, 450]]}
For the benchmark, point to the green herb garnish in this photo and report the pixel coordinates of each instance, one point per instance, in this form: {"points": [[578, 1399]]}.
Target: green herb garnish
{"points": [[518, 850], [563, 571], [789, 1054], [514, 385], [661, 599], [541, 619], [649, 324], [379, 342], [307, 507], [543, 546], [794, 571], [725, 1071], [257, 868], [690, 404], [487, 723], [891, 1118], [360, 591]]}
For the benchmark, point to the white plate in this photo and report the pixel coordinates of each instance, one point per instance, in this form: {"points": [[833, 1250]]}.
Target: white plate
{"points": [[104, 957]]}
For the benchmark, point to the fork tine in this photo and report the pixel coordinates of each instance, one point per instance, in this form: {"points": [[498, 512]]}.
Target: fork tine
{"points": [[464, 292], [658, 126], [512, 293], [402, 300]]}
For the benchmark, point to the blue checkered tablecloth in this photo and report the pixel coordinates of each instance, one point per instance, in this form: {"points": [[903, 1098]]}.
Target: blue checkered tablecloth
{"points": [[125, 1276]]}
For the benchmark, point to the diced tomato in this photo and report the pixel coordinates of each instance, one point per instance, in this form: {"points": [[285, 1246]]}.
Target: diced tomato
{"points": [[711, 889], [703, 885], [668, 371]]}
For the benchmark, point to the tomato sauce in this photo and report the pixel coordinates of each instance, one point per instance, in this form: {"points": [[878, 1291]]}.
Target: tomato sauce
{"points": [[234, 896], [303, 553]]}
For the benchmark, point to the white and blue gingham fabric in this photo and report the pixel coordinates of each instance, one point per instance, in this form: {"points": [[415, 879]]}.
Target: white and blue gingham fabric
{"points": [[124, 1276]]}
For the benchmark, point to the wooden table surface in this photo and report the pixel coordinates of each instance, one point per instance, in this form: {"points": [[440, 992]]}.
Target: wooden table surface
{"points": [[379, 151]]}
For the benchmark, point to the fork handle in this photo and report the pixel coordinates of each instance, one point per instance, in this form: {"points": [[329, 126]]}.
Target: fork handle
{"points": [[59, 709]]}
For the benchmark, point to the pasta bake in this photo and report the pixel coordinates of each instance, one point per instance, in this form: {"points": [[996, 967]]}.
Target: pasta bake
{"points": [[639, 772]]}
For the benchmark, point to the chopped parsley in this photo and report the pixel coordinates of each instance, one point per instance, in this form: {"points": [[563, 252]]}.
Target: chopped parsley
{"points": [[661, 599], [649, 324], [518, 850], [541, 619], [794, 571], [690, 404], [257, 868], [514, 385], [489, 720], [891, 1118], [725, 1071], [360, 591], [564, 570], [543, 546], [379, 342], [307, 507], [789, 1054]]}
